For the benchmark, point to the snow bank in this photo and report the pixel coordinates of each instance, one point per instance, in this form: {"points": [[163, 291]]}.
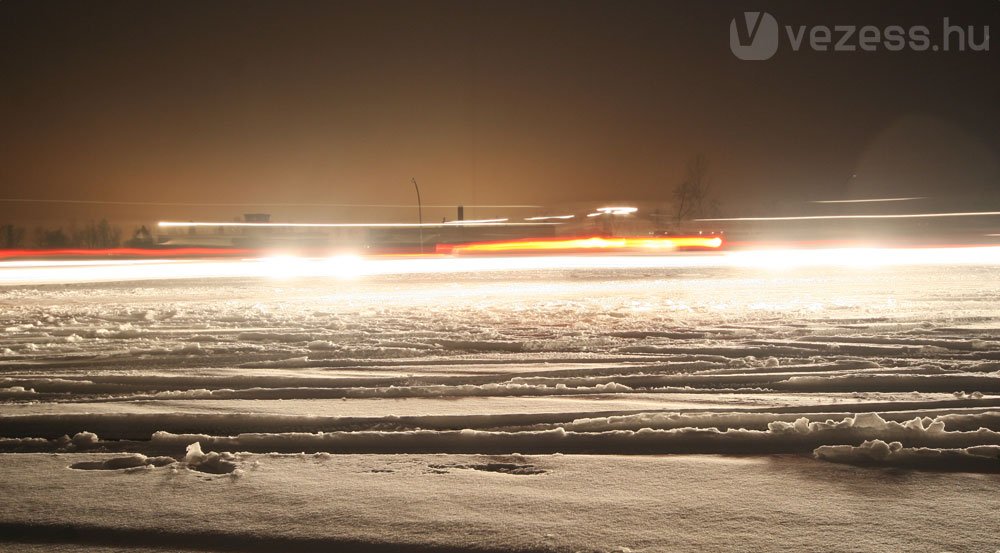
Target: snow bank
{"points": [[461, 390], [762, 421], [984, 383], [24, 444], [756, 351], [79, 442], [139, 426], [801, 435], [879, 453], [132, 461]]}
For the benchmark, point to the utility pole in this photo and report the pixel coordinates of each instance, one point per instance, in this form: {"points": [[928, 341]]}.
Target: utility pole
{"points": [[420, 213]]}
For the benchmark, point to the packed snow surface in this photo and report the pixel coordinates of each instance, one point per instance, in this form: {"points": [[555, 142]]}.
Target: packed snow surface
{"points": [[687, 408]]}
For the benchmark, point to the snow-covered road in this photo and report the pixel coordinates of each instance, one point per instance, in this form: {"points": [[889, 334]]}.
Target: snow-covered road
{"points": [[847, 403]]}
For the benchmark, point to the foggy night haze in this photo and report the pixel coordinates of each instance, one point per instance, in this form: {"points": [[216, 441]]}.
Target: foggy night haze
{"points": [[535, 103], [490, 276]]}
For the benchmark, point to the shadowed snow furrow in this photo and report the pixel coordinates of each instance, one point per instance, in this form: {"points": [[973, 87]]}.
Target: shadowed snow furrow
{"points": [[761, 421], [138, 426], [456, 391], [989, 383], [837, 377], [981, 458], [77, 535], [955, 344], [780, 437], [664, 434]]}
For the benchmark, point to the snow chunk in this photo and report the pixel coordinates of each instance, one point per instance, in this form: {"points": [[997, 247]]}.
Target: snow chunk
{"points": [[84, 439], [322, 345], [16, 391], [211, 462]]}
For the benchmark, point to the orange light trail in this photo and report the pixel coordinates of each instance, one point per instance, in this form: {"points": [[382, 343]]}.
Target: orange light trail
{"points": [[598, 243]]}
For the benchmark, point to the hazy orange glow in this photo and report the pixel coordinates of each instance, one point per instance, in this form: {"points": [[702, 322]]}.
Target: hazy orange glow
{"points": [[640, 243]]}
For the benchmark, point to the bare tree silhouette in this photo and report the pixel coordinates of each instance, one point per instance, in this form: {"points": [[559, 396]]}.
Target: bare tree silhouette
{"points": [[93, 235], [98, 235], [11, 237], [693, 196], [51, 238]]}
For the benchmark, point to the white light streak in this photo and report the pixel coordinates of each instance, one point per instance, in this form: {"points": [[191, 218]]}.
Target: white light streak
{"points": [[253, 204], [860, 201], [476, 221], [821, 217], [348, 266], [548, 217], [211, 224], [618, 210]]}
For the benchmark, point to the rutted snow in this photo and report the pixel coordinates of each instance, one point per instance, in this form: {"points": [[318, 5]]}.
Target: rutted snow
{"points": [[891, 367]]}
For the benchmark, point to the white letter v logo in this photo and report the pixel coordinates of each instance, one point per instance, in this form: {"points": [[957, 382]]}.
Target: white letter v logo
{"points": [[748, 33], [753, 36]]}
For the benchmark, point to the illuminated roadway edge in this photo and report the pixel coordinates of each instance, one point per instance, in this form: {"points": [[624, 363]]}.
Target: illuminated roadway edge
{"points": [[587, 243], [351, 266]]}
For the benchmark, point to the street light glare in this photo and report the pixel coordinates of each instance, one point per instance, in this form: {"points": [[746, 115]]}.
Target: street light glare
{"points": [[618, 210]]}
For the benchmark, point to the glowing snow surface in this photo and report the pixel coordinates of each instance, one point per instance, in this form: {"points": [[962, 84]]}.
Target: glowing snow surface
{"points": [[662, 406]]}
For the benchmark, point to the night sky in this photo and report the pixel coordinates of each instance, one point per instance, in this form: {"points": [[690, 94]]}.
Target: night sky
{"points": [[542, 102]]}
